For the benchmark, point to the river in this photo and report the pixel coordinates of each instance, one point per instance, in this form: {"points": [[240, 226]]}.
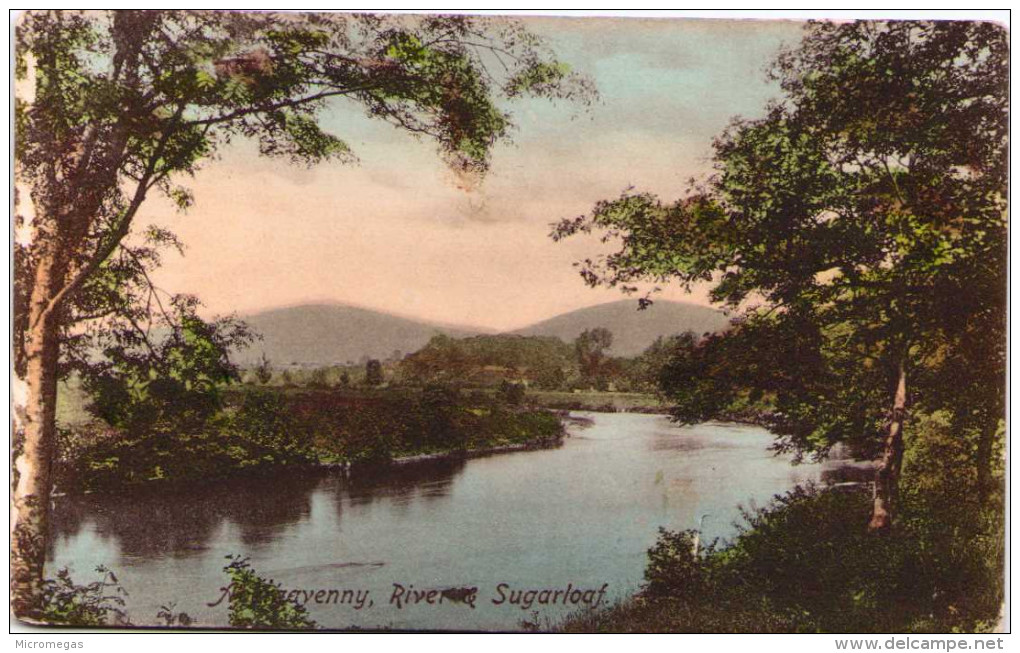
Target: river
{"points": [[578, 519]]}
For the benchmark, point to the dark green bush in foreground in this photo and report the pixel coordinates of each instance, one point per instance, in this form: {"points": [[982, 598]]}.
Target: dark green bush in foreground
{"points": [[807, 564]]}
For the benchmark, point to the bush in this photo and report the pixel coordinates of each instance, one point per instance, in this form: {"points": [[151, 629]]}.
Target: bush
{"points": [[261, 433], [175, 382], [672, 566], [256, 602], [266, 420], [512, 393], [440, 417], [811, 556], [319, 378], [511, 427], [264, 370], [959, 530], [806, 563], [99, 603], [373, 373], [369, 435]]}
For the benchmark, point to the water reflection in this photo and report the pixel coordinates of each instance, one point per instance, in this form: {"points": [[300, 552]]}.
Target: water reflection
{"points": [[672, 442], [582, 514], [181, 523], [428, 479]]}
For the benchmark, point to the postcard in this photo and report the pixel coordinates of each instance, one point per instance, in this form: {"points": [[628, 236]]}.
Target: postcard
{"points": [[501, 323]]}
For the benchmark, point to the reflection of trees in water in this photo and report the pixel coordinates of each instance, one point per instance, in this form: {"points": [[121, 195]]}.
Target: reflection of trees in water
{"points": [[428, 479], [673, 441], [182, 522]]}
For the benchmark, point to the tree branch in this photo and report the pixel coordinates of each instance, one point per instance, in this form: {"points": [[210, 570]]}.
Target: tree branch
{"points": [[240, 113], [120, 230]]}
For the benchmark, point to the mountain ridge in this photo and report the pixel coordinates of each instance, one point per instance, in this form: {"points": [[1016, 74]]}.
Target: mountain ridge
{"points": [[324, 333], [633, 329]]}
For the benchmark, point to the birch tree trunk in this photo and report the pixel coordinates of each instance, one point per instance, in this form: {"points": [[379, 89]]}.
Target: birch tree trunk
{"points": [[37, 435]]}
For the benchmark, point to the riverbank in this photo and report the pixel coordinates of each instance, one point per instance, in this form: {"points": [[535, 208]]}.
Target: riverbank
{"points": [[598, 402], [260, 430], [806, 562], [457, 454], [400, 461]]}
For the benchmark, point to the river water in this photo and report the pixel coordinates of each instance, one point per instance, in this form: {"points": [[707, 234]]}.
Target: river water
{"points": [[576, 519]]}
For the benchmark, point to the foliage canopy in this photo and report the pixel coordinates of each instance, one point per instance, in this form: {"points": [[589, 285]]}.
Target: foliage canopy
{"points": [[861, 224]]}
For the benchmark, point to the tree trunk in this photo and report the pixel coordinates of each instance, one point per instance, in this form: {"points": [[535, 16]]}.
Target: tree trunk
{"points": [[36, 439], [887, 476]]}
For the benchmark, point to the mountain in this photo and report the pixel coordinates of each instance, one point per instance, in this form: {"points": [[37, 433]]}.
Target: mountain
{"points": [[314, 335], [326, 334], [633, 330]]}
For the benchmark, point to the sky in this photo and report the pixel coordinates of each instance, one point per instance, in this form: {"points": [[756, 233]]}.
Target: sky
{"points": [[398, 232]]}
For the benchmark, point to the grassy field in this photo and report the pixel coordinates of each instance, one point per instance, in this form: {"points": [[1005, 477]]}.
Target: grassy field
{"points": [[597, 401]]}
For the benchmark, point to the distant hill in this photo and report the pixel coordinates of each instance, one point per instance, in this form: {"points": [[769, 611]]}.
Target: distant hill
{"points": [[326, 334], [633, 330], [314, 335]]}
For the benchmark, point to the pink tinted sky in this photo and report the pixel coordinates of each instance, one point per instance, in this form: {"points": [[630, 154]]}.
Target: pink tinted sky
{"points": [[397, 233]]}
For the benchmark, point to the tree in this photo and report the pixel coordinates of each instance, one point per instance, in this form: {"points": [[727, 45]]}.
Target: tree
{"points": [[861, 225], [373, 372], [113, 106], [264, 370], [512, 392], [646, 371], [174, 382], [319, 378], [590, 348]]}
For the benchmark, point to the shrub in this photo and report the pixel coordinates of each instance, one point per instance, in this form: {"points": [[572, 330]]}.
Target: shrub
{"points": [[99, 603], [256, 602], [960, 531], [370, 435], [807, 563], [319, 378], [440, 417], [673, 567], [265, 419], [264, 370], [175, 382], [809, 554], [373, 372], [512, 393], [262, 432]]}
